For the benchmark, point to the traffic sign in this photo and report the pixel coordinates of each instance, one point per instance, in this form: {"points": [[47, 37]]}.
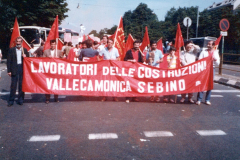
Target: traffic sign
{"points": [[187, 22], [223, 33], [224, 24]]}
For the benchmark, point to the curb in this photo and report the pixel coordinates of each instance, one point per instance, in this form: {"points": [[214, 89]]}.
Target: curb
{"points": [[227, 82]]}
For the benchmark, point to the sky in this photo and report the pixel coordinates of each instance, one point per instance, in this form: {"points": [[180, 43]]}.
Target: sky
{"points": [[99, 14]]}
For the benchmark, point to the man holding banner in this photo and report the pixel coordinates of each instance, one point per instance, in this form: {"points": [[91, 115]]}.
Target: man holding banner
{"points": [[187, 57], [134, 55], [154, 57], [216, 61], [52, 53], [110, 53], [15, 70]]}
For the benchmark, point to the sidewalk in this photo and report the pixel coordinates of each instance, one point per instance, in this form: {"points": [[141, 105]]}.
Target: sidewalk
{"points": [[224, 79]]}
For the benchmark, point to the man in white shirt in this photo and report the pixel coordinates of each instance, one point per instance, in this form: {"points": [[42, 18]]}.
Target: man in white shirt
{"points": [[187, 57], [32, 50], [216, 61], [104, 43], [110, 53]]}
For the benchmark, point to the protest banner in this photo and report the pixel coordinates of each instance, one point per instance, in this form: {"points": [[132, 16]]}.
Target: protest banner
{"points": [[114, 78]]}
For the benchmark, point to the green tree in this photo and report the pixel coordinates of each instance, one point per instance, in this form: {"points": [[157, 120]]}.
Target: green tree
{"points": [[209, 26], [28, 12], [134, 22], [94, 32]]}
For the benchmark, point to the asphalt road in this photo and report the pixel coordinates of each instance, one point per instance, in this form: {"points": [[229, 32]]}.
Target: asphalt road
{"points": [[230, 70], [85, 128]]}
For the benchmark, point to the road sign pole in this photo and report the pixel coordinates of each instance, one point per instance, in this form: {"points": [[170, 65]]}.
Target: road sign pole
{"points": [[221, 62], [187, 29], [197, 22]]}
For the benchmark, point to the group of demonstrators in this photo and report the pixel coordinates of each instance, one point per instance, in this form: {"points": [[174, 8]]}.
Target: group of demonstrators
{"points": [[89, 51]]}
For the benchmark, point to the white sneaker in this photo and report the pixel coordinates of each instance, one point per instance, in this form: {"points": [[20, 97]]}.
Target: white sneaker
{"points": [[198, 103], [208, 102], [127, 101]]}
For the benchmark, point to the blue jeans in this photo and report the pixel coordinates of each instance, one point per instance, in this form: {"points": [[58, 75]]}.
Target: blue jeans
{"points": [[208, 94]]}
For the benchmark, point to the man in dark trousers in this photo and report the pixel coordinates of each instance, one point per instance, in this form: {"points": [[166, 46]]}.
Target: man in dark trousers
{"points": [[15, 70], [134, 55]]}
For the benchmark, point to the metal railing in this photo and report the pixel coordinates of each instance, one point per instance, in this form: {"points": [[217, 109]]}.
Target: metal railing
{"points": [[222, 60]]}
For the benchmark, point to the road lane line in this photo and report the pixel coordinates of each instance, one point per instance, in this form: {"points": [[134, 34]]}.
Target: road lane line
{"points": [[158, 134], [44, 138], [211, 132], [102, 136], [216, 96], [226, 91], [6, 93], [211, 96], [238, 95]]}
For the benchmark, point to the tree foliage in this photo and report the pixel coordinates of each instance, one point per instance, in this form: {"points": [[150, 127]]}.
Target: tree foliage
{"points": [[134, 22], [104, 31], [28, 12]]}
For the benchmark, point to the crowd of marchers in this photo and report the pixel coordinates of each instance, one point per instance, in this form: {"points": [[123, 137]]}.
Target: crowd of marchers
{"points": [[89, 51]]}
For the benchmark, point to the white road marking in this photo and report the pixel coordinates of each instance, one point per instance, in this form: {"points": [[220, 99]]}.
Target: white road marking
{"points": [[59, 96], [238, 95], [211, 132], [44, 138], [226, 91], [158, 134], [216, 96], [6, 93], [211, 95], [103, 136]]}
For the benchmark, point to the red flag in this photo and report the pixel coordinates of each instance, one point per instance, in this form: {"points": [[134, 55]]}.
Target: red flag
{"points": [[112, 36], [71, 54], [218, 40], [129, 43], [179, 39], [164, 64], [178, 44], [60, 44], [53, 34], [84, 38], [90, 38], [160, 45], [145, 41], [119, 40], [25, 44], [15, 34]]}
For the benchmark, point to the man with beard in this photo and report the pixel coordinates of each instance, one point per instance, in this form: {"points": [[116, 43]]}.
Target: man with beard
{"points": [[187, 57], [15, 71], [134, 55]]}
